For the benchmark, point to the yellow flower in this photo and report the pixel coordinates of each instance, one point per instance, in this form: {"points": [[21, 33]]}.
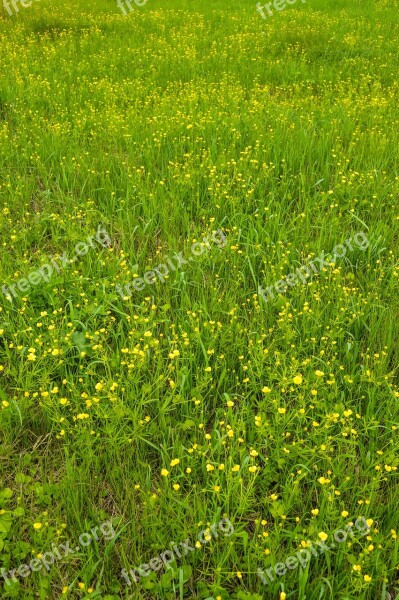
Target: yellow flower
{"points": [[230, 403], [210, 467], [357, 568], [37, 525], [239, 575], [208, 369], [283, 596], [216, 488], [99, 386], [236, 468], [367, 578], [319, 373], [164, 472], [323, 480], [147, 334], [188, 470], [176, 486], [5, 403], [344, 513], [65, 589], [298, 379], [174, 461], [254, 453], [315, 512], [282, 411], [369, 522], [323, 536], [198, 544], [253, 469], [266, 390]]}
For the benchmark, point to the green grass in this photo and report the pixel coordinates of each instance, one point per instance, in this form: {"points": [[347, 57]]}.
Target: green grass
{"points": [[164, 126]]}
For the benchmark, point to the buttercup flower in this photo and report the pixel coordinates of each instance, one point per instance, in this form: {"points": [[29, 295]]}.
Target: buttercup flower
{"points": [[323, 480]]}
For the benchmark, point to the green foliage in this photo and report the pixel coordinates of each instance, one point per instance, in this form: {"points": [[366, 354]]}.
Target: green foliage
{"points": [[193, 399]]}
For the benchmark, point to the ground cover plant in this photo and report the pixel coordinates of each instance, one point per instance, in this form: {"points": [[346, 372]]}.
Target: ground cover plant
{"points": [[225, 427]]}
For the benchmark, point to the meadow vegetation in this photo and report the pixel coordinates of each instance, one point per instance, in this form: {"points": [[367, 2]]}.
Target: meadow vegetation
{"points": [[193, 400]]}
